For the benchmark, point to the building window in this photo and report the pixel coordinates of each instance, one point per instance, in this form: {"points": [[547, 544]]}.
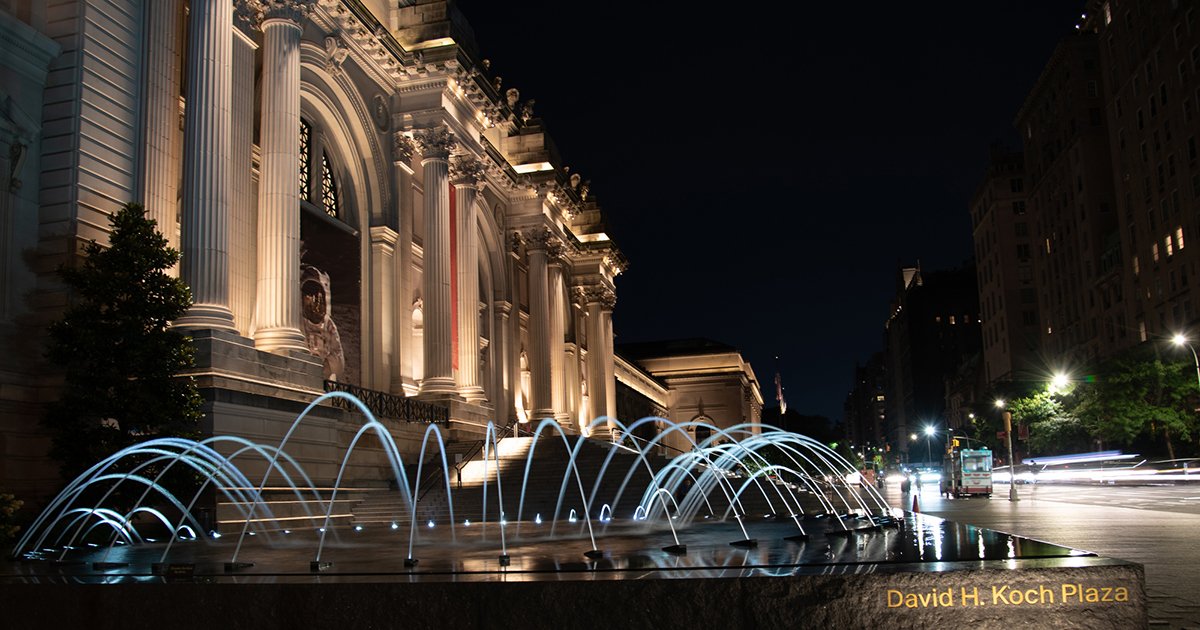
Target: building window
{"points": [[305, 150], [1135, 266], [1168, 246], [1018, 207], [329, 189], [1154, 251], [1179, 238]]}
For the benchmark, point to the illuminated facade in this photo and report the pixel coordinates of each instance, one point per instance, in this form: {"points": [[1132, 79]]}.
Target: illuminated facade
{"points": [[698, 383], [355, 196]]}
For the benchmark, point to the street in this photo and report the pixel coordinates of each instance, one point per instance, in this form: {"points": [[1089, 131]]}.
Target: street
{"points": [[1155, 526]]}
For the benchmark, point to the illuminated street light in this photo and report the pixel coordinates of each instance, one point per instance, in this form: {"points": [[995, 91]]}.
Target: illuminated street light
{"points": [[1059, 381], [999, 403], [929, 431], [1180, 340]]}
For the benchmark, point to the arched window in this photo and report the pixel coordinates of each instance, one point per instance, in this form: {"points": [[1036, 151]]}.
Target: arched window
{"points": [[305, 152], [329, 189], [328, 197]]}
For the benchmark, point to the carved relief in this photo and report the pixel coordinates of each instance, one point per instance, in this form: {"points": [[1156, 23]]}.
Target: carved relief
{"points": [[515, 241], [380, 112], [403, 148], [335, 53]]}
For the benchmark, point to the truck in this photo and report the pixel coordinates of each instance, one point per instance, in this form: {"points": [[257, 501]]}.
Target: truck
{"points": [[967, 472]]}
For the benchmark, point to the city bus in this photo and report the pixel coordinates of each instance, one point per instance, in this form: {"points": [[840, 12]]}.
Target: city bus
{"points": [[967, 472]]}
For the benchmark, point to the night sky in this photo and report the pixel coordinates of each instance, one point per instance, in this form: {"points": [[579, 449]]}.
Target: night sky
{"points": [[766, 166]]}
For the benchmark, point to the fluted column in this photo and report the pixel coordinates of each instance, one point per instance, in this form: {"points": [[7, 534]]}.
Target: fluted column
{"points": [[466, 175], [558, 372], [243, 201], [610, 372], [435, 145], [501, 367], [160, 171], [540, 392], [277, 315], [205, 264], [403, 150], [597, 348]]}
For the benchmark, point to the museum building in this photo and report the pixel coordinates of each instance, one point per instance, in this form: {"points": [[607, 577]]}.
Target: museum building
{"points": [[360, 204]]}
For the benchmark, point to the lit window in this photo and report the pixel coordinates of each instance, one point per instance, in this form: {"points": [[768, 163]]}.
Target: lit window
{"points": [[1170, 248], [1135, 265], [1154, 251], [952, 320], [1179, 238], [329, 190]]}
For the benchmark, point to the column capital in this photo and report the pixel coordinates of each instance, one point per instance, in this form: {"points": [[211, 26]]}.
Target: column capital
{"points": [[294, 11], [539, 238], [466, 170], [598, 294], [403, 150], [515, 241], [434, 143]]}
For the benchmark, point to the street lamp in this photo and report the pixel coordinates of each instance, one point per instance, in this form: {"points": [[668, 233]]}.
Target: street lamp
{"points": [[1059, 382], [929, 431], [1012, 466], [1180, 340]]}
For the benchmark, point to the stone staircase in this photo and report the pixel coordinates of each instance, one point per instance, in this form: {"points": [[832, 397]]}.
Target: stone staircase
{"points": [[546, 470], [548, 465]]}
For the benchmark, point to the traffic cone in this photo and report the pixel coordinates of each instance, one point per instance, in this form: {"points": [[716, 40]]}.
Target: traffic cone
{"points": [[916, 504]]}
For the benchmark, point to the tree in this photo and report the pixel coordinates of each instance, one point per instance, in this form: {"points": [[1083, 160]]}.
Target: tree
{"points": [[120, 358], [1053, 428], [1134, 396]]}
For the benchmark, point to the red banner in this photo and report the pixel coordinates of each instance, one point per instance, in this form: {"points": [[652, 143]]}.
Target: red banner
{"points": [[453, 278]]}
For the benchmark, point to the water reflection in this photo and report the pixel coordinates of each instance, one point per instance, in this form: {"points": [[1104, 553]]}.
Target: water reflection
{"points": [[920, 539]]}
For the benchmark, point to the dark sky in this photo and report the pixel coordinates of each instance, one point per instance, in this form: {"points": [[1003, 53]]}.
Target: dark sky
{"points": [[766, 166]]}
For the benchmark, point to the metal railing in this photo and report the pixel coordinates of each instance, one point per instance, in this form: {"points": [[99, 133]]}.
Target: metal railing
{"points": [[390, 406]]}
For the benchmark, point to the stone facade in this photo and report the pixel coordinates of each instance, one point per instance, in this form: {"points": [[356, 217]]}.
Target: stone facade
{"points": [[356, 198]]}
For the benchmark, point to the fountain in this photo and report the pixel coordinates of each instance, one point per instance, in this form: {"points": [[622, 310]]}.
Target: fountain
{"points": [[747, 501]]}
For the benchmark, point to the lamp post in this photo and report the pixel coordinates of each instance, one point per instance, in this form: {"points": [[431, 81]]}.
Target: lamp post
{"points": [[929, 431], [1012, 466], [1180, 340]]}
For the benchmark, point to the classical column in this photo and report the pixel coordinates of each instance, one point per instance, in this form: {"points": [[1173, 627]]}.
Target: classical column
{"points": [[502, 365], [403, 150], [540, 392], [160, 171], [277, 316], [595, 296], [383, 301], [466, 174], [243, 201], [610, 372], [435, 144], [205, 264], [558, 308]]}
